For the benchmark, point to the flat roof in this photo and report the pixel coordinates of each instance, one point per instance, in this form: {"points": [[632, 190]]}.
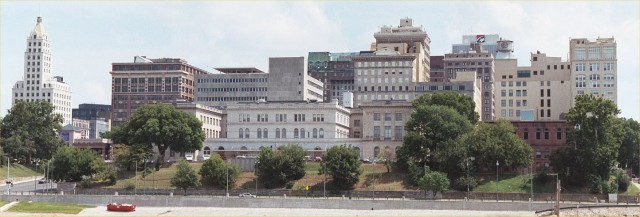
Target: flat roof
{"points": [[239, 70]]}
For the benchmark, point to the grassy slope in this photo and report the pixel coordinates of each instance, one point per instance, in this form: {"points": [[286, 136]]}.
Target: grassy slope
{"points": [[39, 207], [17, 170], [513, 183]]}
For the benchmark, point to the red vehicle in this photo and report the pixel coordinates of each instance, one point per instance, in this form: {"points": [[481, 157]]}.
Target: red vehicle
{"points": [[121, 207]]}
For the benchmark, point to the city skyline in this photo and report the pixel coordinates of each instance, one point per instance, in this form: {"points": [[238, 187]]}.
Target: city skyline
{"points": [[211, 34]]}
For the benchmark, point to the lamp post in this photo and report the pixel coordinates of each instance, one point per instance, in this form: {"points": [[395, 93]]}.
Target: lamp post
{"points": [[35, 180], [373, 173], [532, 180], [497, 179], [324, 184], [227, 167], [254, 168]]}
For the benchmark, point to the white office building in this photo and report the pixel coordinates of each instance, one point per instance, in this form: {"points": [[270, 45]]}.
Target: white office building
{"points": [[38, 82]]}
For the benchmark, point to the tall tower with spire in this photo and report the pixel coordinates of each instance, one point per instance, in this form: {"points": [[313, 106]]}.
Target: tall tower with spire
{"points": [[38, 82]]}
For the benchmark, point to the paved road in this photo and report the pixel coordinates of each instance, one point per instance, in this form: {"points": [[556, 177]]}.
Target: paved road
{"points": [[210, 211], [28, 186]]}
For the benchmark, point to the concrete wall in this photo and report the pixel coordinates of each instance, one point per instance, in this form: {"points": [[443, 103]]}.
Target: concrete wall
{"points": [[190, 201]]}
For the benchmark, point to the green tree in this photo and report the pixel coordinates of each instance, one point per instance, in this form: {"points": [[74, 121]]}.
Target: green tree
{"points": [[276, 168], [597, 138], [343, 164], [71, 164], [386, 156], [461, 103], [214, 171], [434, 182], [629, 149], [163, 126], [126, 156], [489, 143], [430, 129], [29, 131], [185, 177]]}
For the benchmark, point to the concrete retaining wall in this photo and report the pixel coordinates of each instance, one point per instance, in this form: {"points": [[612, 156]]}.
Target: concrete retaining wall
{"points": [[191, 201]]}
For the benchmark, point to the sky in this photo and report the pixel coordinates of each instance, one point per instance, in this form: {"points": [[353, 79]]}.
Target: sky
{"points": [[88, 36]]}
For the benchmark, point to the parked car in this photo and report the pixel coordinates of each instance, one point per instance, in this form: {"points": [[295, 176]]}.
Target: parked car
{"points": [[188, 157], [241, 156], [43, 180], [249, 195], [317, 159], [206, 157]]}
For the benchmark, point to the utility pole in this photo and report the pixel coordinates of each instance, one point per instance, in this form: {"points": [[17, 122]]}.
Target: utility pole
{"points": [[497, 180], [227, 167], [558, 198]]}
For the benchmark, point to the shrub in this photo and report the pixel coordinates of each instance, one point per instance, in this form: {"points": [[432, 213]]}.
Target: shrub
{"points": [[289, 185], [129, 185], [461, 183], [86, 182], [622, 180]]}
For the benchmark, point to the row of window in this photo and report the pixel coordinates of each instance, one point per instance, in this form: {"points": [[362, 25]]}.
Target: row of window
{"points": [[595, 84], [503, 92], [263, 133], [387, 116], [386, 64], [235, 99], [382, 80], [518, 103], [387, 133], [386, 88], [232, 80], [583, 77], [511, 83], [580, 67], [594, 53], [158, 80]]}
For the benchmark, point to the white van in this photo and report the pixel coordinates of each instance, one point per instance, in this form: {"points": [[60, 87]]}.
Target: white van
{"points": [[189, 157]]}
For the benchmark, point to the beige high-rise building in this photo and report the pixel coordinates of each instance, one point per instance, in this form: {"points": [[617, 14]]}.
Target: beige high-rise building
{"points": [[594, 67], [401, 58], [536, 92]]}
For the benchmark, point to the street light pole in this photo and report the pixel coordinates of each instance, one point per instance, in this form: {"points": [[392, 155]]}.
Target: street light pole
{"points": [[467, 178], [35, 181], [227, 167], [531, 180], [497, 180], [324, 187]]}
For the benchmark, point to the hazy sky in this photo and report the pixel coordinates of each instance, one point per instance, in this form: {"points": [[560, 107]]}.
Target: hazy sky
{"points": [[88, 36]]}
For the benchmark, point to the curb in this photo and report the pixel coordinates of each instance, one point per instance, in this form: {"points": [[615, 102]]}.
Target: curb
{"points": [[7, 206]]}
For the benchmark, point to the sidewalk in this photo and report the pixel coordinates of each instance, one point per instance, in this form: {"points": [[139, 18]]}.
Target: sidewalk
{"points": [[18, 180]]}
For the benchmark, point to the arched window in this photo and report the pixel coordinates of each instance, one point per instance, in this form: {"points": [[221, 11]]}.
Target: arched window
{"points": [[259, 133], [246, 133], [277, 133], [221, 148], [265, 133], [296, 134], [321, 133], [376, 151], [243, 148], [241, 133], [315, 133], [302, 133], [317, 148], [284, 133], [207, 150]]}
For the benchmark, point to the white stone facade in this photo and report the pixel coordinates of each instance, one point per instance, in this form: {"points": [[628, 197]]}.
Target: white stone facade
{"points": [[594, 67], [38, 81]]}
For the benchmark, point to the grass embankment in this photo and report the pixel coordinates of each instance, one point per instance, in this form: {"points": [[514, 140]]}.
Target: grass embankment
{"points": [[2, 203], [18, 170], [513, 183], [40, 207], [632, 190], [159, 179]]}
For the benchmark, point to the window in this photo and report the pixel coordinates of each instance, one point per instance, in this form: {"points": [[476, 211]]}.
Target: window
{"points": [[315, 133], [263, 118], [398, 133], [241, 133], [581, 77], [579, 54], [608, 53], [299, 117], [281, 117], [559, 134], [284, 133], [277, 133], [594, 53], [538, 133], [398, 116], [580, 67], [387, 132], [503, 103], [525, 135], [546, 133], [246, 133], [265, 133], [321, 133], [376, 116], [296, 133], [376, 132], [503, 93], [510, 92], [356, 123], [608, 67], [594, 67], [302, 133], [259, 133], [387, 116]]}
